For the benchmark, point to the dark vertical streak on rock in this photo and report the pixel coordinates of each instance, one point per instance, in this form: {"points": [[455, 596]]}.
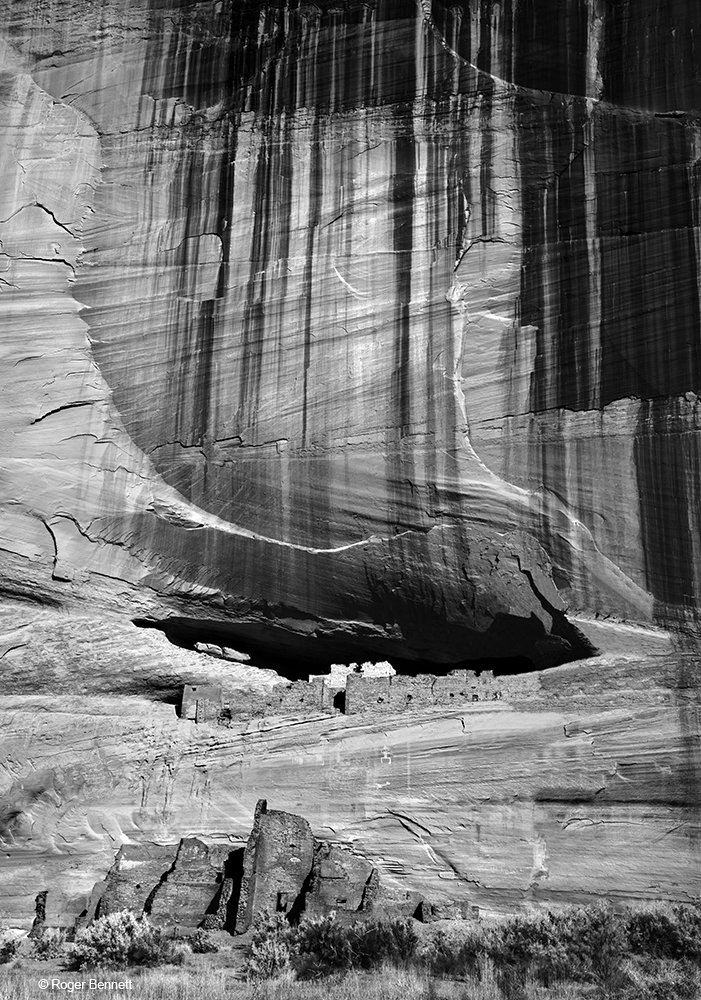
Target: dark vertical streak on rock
{"points": [[669, 470], [484, 55], [203, 370], [316, 181], [402, 197], [254, 313], [554, 285], [651, 55], [487, 194], [573, 388], [531, 302], [551, 45], [650, 305]]}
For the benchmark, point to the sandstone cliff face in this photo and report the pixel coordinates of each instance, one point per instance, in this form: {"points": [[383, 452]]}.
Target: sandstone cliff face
{"points": [[354, 320], [345, 330], [588, 788]]}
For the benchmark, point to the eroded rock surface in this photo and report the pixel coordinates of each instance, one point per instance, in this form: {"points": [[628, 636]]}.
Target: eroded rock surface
{"points": [[191, 888]]}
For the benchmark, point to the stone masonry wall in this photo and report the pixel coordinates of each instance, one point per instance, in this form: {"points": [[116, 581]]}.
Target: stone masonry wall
{"points": [[363, 693]]}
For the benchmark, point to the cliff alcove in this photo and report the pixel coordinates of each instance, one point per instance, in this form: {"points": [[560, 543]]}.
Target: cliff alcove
{"points": [[295, 656]]}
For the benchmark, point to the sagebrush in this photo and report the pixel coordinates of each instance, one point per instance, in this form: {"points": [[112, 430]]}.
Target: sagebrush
{"points": [[652, 954], [323, 945], [8, 945], [121, 939], [50, 944]]}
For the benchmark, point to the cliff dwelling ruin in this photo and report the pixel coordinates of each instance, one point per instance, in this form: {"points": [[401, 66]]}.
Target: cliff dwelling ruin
{"points": [[281, 868], [351, 690]]}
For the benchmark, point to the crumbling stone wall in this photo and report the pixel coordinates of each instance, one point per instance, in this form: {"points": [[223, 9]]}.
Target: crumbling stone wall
{"points": [[402, 693], [283, 868], [137, 870], [39, 922], [340, 881], [192, 886], [201, 702], [276, 864], [363, 692], [181, 886]]}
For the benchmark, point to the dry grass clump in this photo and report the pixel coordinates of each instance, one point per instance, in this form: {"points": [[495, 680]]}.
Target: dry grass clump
{"points": [[221, 984]]}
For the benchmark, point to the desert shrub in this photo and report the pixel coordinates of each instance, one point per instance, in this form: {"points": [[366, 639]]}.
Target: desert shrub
{"points": [[688, 920], [456, 955], [121, 939], [107, 941], [50, 944], [270, 952], [581, 944], [661, 979], [653, 932], [377, 942], [674, 934], [9, 945], [324, 945], [202, 943], [594, 939], [156, 948], [527, 944], [321, 946]]}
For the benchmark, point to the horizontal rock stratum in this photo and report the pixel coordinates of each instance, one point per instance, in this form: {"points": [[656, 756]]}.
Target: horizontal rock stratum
{"points": [[352, 331]]}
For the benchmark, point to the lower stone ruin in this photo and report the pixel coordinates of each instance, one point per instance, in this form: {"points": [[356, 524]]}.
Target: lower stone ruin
{"points": [[282, 868]]}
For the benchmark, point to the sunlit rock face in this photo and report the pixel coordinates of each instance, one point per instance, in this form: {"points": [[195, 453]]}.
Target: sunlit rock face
{"points": [[375, 323]]}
